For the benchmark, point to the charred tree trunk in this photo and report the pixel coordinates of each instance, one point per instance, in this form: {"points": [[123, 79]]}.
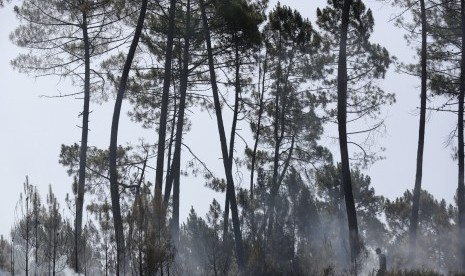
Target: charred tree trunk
{"points": [[342, 128], [83, 148], [421, 142], [172, 139], [114, 189], [164, 114], [174, 176], [255, 147], [460, 154], [224, 147], [237, 86]]}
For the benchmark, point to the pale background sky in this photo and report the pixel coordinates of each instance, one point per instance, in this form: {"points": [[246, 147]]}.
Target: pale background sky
{"points": [[34, 128]]}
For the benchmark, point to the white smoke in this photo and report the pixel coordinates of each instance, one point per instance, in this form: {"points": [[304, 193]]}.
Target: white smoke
{"points": [[370, 264]]}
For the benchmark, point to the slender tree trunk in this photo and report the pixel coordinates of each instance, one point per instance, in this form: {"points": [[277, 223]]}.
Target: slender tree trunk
{"points": [[257, 133], [54, 258], [460, 154], [174, 176], [255, 147], [36, 228], [224, 147], [237, 86], [342, 128], [83, 148], [49, 253], [170, 145], [27, 228], [12, 257], [277, 145], [280, 106], [421, 142], [114, 189], [164, 113]]}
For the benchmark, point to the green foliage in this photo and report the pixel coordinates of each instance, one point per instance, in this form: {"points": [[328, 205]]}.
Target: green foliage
{"points": [[52, 33], [5, 254], [436, 232], [294, 130], [367, 63], [369, 206], [243, 18], [202, 252]]}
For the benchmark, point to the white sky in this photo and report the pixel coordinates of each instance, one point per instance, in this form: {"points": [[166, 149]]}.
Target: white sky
{"points": [[34, 128]]}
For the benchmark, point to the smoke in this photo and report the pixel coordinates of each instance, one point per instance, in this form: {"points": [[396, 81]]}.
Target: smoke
{"points": [[370, 263], [70, 272]]}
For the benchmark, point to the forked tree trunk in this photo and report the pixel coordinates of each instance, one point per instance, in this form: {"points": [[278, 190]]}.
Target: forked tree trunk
{"points": [[164, 114], [114, 189], [421, 142], [176, 165], [237, 85], [224, 147], [342, 128], [261, 81]]}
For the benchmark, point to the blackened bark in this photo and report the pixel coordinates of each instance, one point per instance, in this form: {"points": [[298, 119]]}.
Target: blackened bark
{"points": [[342, 128], [237, 85], [460, 154], [114, 190], [172, 139], [224, 147], [421, 141], [176, 166], [83, 148], [164, 113], [262, 77]]}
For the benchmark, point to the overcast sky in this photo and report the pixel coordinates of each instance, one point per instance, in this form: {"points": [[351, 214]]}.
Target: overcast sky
{"points": [[34, 128]]}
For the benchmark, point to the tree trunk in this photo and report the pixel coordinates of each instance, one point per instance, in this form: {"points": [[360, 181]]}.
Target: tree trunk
{"points": [[261, 82], [114, 189], [176, 165], [36, 228], [224, 147], [27, 227], [421, 142], [12, 257], [172, 139], [237, 86], [83, 148], [342, 128], [164, 115], [278, 132], [54, 257], [460, 154]]}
